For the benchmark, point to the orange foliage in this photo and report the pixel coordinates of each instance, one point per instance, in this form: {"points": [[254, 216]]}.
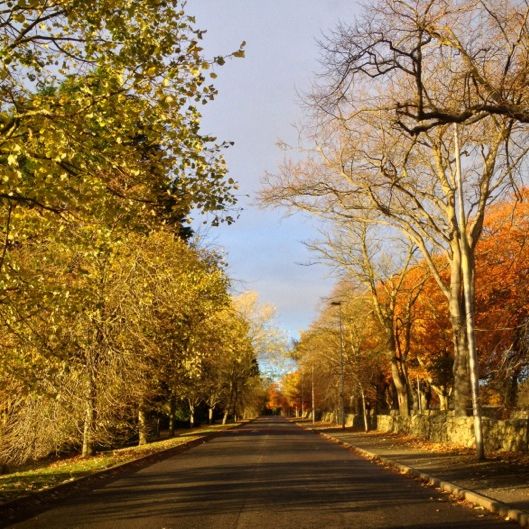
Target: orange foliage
{"points": [[502, 284], [502, 299], [275, 400]]}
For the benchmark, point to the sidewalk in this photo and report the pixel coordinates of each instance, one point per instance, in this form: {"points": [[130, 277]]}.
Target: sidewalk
{"points": [[501, 478]]}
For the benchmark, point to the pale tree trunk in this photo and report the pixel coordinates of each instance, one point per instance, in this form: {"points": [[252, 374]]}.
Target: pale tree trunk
{"points": [[172, 416], [468, 272], [443, 402], [211, 409], [88, 429], [191, 415], [90, 419], [229, 404], [469, 289], [442, 395], [143, 434], [461, 373], [420, 397], [364, 409], [235, 402]]}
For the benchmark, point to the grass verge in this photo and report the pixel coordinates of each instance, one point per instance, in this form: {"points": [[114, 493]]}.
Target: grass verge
{"points": [[45, 475]]}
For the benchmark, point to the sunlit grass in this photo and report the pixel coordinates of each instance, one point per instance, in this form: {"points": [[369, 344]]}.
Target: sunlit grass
{"points": [[44, 475]]}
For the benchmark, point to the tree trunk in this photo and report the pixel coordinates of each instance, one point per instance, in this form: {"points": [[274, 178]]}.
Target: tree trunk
{"points": [[419, 404], [470, 295], [364, 409], [229, 405], [442, 395], [210, 414], [462, 398], [89, 421], [511, 390], [392, 400], [235, 402], [191, 415], [88, 430], [172, 416], [462, 394], [143, 434], [401, 386], [468, 274]]}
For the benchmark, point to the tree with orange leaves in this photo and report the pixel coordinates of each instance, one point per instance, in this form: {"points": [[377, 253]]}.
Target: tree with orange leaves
{"points": [[503, 298], [502, 310], [275, 400]]}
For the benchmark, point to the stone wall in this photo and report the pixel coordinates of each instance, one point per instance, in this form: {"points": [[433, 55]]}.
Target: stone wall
{"points": [[443, 427], [357, 421]]}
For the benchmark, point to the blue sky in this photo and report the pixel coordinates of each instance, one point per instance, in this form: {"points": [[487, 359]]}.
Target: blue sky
{"points": [[258, 105]]}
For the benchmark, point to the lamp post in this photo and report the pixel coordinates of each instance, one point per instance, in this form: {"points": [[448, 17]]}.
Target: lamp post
{"points": [[342, 407], [312, 394], [302, 410]]}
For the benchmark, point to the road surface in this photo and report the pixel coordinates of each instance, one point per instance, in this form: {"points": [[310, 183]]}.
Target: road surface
{"points": [[269, 474]]}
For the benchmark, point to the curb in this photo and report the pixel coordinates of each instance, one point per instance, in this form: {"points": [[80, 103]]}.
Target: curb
{"points": [[30, 504], [500, 508]]}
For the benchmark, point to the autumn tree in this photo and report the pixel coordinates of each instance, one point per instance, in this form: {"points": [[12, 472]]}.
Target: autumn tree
{"points": [[317, 352], [172, 292], [102, 160], [460, 61], [501, 311], [231, 377], [275, 400], [85, 84], [429, 64], [356, 250], [364, 167], [321, 361], [502, 315], [431, 343], [269, 342], [251, 332]]}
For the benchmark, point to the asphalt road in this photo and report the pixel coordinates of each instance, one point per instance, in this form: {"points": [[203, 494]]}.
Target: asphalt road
{"points": [[269, 474]]}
